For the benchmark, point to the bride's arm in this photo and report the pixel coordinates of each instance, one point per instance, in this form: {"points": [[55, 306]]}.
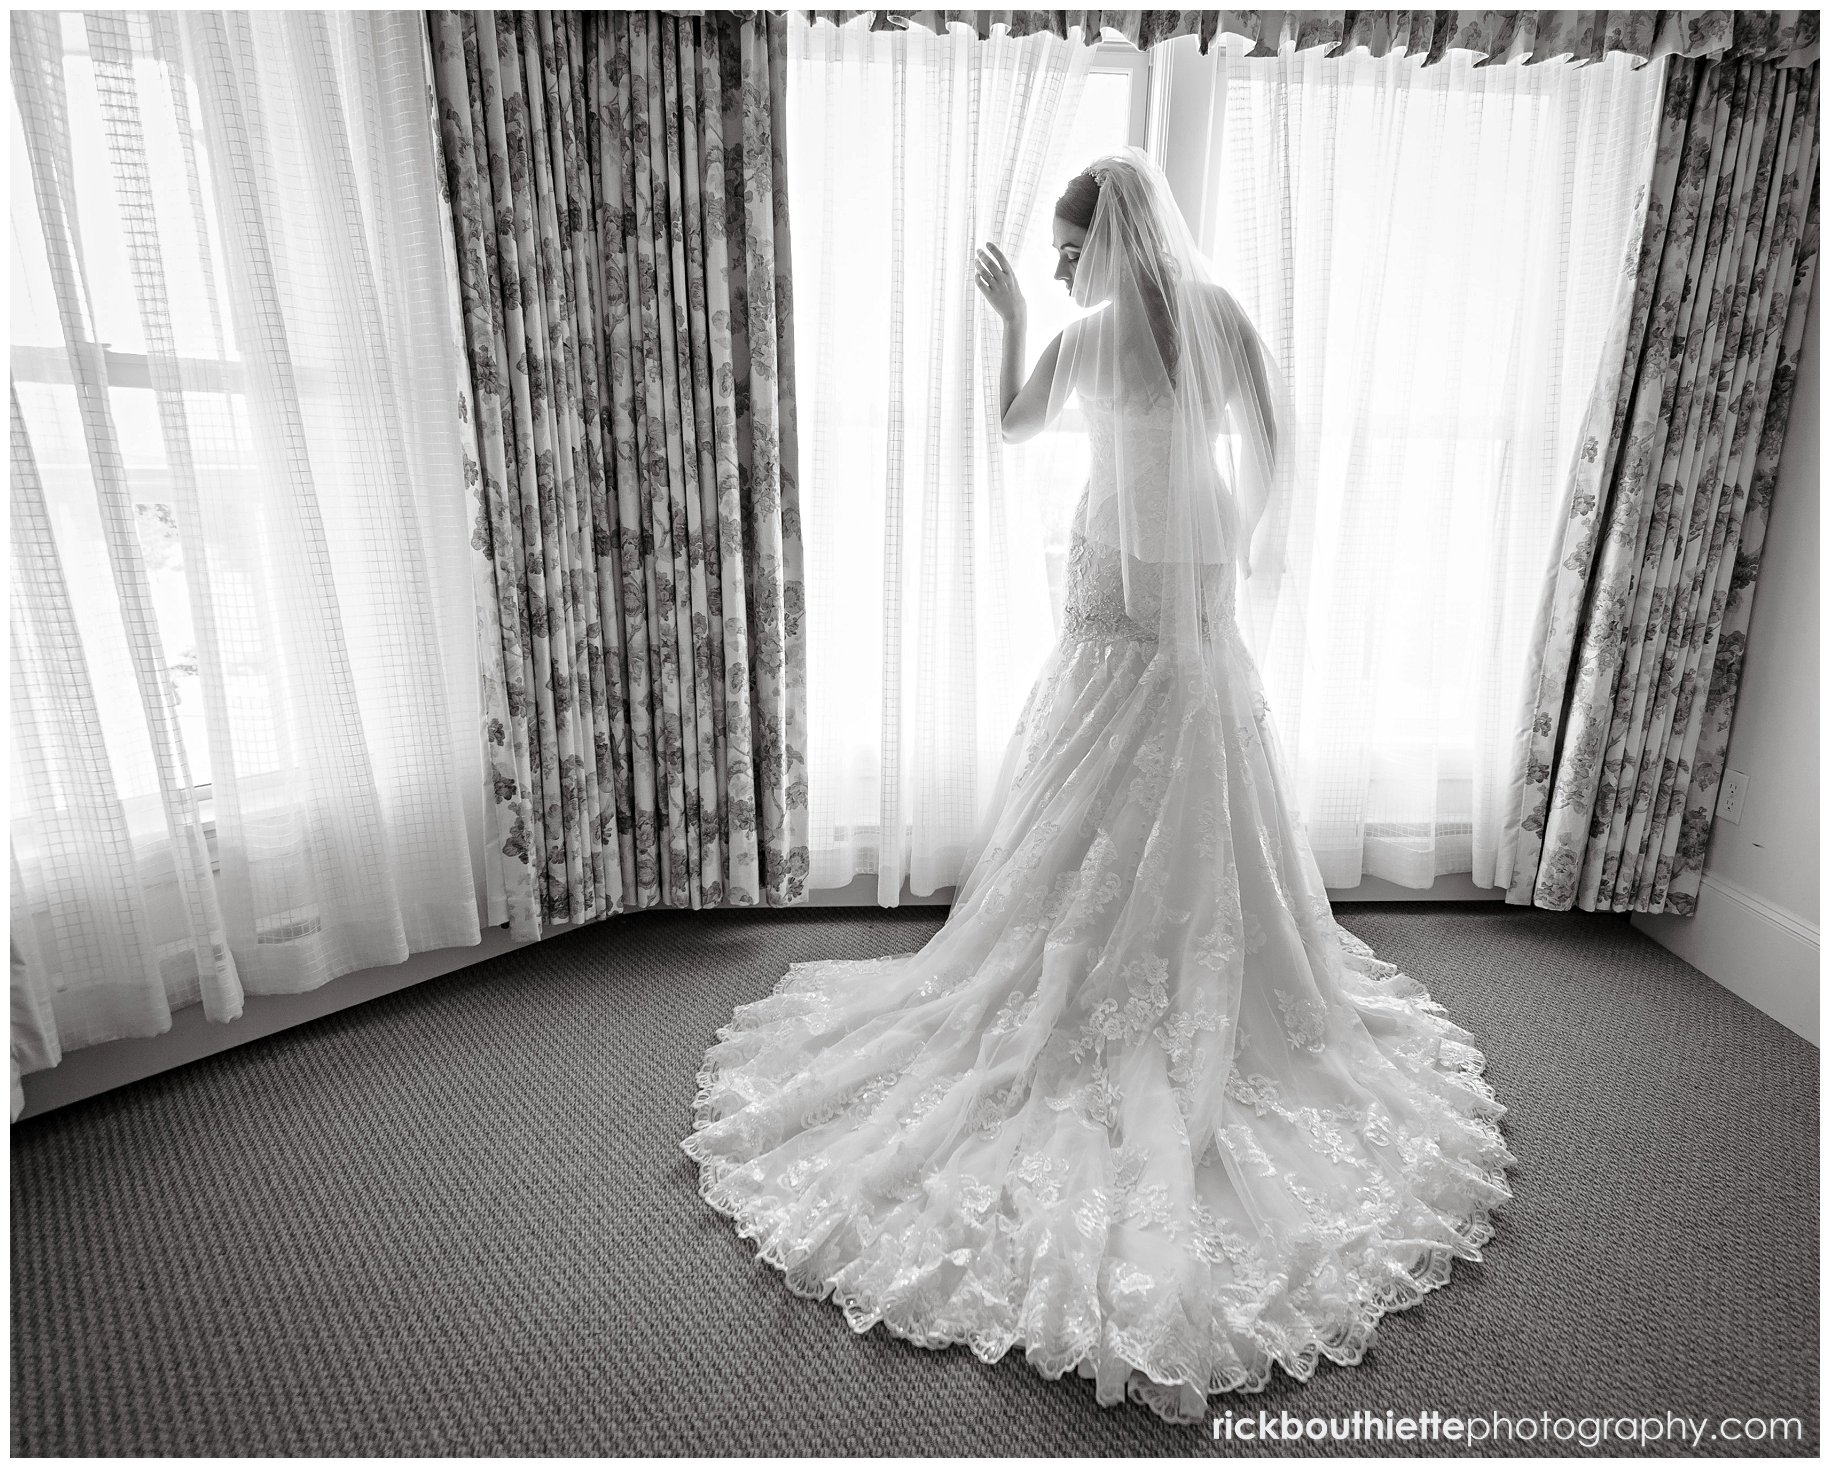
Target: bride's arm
{"points": [[1255, 384], [1024, 410]]}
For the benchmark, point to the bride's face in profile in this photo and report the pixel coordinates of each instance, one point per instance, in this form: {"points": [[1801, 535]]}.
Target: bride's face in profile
{"points": [[1068, 240]]}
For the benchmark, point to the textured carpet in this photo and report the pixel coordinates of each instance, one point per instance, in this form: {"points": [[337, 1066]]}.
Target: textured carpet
{"points": [[455, 1220]]}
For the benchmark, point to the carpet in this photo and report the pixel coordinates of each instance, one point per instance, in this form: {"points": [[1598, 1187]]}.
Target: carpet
{"points": [[455, 1220]]}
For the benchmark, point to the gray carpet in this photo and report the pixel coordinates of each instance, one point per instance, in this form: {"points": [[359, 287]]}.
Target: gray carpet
{"points": [[455, 1221]]}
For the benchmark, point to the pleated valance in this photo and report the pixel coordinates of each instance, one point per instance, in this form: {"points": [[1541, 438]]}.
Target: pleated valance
{"points": [[1788, 37]]}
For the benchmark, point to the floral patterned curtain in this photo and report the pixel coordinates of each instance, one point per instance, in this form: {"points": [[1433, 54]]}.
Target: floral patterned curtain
{"points": [[1632, 682], [1500, 36], [618, 214]]}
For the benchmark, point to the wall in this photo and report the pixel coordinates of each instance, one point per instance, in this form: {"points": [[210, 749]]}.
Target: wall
{"points": [[1755, 930]]}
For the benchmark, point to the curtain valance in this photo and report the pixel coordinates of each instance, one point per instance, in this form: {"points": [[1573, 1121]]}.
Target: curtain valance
{"points": [[1788, 37]]}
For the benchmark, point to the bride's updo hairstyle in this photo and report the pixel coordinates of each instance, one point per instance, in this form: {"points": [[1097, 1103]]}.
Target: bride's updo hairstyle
{"points": [[1076, 207], [1077, 200]]}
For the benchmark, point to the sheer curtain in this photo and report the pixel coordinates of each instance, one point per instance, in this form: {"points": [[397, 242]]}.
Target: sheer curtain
{"points": [[928, 600], [1435, 253], [243, 679]]}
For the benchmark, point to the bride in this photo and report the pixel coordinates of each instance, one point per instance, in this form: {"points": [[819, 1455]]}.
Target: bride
{"points": [[1141, 1107]]}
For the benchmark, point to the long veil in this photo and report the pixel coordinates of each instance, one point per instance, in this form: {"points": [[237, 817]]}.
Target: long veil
{"points": [[1195, 414]]}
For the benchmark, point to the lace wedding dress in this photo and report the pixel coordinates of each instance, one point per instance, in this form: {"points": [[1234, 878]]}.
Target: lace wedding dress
{"points": [[1141, 1108]]}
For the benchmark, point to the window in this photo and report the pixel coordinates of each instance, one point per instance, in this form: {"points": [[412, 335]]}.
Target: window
{"points": [[928, 598], [247, 572], [1433, 254], [182, 208]]}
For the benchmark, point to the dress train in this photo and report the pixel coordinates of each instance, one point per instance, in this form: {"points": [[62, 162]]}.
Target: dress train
{"points": [[1142, 1107]]}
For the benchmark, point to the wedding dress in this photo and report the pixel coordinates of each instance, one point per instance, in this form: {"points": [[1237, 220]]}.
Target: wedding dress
{"points": [[1141, 1108]]}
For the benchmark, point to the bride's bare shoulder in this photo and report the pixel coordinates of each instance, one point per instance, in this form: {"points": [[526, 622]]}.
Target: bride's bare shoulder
{"points": [[1084, 348], [1082, 331], [1224, 305]]}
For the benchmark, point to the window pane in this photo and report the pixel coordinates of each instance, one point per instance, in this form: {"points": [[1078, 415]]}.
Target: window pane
{"points": [[175, 202], [106, 270], [34, 318]]}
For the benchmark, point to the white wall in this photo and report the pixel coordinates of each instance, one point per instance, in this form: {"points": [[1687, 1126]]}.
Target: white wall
{"points": [[1755, 928]]}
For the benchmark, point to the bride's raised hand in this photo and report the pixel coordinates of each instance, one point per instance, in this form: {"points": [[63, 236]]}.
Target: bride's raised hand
{"points": [[998, 282]]}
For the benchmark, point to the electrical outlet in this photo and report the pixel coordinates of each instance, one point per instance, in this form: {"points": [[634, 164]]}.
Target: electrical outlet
{"points": [[1734, 791]]}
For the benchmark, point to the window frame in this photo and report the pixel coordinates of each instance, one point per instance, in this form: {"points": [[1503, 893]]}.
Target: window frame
{"points": [[1122, 58], [51, 366]]}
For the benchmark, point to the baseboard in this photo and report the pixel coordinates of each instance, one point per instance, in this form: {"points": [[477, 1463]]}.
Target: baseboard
{"points": [[98, 1068], [861, 891], [1750, 947], [1456, 887], [1450, 887]]}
